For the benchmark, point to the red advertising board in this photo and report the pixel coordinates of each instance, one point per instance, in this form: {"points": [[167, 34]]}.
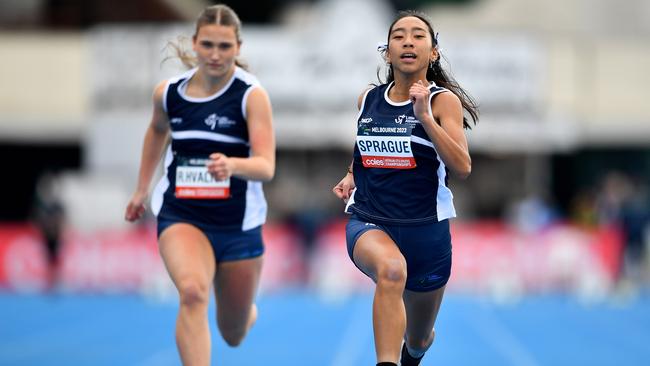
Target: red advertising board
{"points": [[488, 257]]}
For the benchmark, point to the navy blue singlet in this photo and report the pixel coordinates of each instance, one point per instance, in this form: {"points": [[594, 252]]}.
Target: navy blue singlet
{"points": [[200, 127], [399, 177]]}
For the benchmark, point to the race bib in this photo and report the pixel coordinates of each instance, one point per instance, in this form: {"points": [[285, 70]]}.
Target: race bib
{"points": [[386, 146], [193, 181]]}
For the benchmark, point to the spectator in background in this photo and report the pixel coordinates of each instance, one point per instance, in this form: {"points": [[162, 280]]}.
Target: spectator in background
{"points": [[531, 213], [210, 204], [615, 189], [622, 202], [410, 135], [49, 216], [635, 223], [582, 208]]}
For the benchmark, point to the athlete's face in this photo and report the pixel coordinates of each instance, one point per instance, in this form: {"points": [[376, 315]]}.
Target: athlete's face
{"points": [[216, 48], [410, 47]]}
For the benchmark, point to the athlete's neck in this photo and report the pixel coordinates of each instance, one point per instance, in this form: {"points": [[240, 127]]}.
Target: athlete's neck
{"points": [[202, 85], [400, 90]]}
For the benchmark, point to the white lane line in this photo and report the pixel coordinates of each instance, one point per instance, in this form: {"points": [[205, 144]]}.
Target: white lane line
{"points": [[497, 335], [356, 338]]}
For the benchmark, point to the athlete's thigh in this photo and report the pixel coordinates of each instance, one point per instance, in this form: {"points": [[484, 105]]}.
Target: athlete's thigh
{"points": [[235, 286], [187, 254], [374, 248], [421, 311]]}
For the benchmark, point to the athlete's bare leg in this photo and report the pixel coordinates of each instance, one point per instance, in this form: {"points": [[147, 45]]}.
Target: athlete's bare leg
{"points": [[235, 286], [421, 312], [378, 256], [189, 259]]}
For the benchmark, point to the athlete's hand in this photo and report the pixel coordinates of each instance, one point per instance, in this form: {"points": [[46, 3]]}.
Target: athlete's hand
{"points": [[344, 188], [135, 209], [419, 95], [220, 166]]}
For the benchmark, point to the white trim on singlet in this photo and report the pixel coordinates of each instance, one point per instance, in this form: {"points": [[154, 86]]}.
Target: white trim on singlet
{"points": [[239, 73], [389, 101], [400, 104], [171, 81], [205, 135], [444, 199], [163, 184], [164, 96], [350, 201], [244, 101], [256, 207], [182, 87], [246, 77], [431, 98], [363, 102], [252, 83], [421, 141]]}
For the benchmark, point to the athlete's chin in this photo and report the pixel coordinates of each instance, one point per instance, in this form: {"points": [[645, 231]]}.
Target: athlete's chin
{"points": [[217, 72], [410, 69]]}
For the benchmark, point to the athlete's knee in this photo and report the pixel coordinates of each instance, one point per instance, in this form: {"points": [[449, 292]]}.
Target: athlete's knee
{"points": [[193, 294], [233, 329], [392, 273], [233, 335], [418, 344]]}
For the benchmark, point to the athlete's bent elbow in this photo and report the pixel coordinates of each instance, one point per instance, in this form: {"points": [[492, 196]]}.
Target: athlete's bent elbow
{"points": [[464, 172], [268, 174], [268, 177]]}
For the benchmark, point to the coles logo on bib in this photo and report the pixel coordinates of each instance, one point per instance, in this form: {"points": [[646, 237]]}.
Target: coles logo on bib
{"points": [[390, 152]]}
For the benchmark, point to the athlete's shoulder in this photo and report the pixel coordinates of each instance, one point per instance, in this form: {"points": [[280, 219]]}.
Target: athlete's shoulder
{"points": [[445, 102], [365, 93], [443, 95], [166, 83], [181, 77], [161, 91], [435, 89], [246, 77]]}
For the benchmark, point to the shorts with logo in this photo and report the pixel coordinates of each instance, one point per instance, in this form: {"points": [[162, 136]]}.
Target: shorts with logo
{"points": [[227, 244], [426, 248]]}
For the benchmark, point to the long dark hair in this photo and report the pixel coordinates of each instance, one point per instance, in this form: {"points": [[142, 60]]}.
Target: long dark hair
{"points": [[435, 72], [219, 14]]}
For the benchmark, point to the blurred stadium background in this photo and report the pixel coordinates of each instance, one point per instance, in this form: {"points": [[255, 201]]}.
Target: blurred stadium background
{"points": [[550, 262]]}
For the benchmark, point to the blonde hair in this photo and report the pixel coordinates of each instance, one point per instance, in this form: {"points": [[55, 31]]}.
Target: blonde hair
{"points": [[219, 14]]}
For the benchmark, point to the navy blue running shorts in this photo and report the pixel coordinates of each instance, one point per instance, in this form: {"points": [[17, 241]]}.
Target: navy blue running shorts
{"points": [[426, 248], [227, 244]]}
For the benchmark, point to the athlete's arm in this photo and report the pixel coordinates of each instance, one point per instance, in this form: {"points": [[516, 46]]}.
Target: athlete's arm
{"points": [[261, 164], [345, 187], [155, 139], [448, 136]]}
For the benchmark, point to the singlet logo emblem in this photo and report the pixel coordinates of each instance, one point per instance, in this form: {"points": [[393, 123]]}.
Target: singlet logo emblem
{"points": [[214, 120], [400, 119], [176, 120], [366, 120]]}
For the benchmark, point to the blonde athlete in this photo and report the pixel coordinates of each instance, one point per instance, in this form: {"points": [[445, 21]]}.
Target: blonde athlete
{"points": [[209, 203]]}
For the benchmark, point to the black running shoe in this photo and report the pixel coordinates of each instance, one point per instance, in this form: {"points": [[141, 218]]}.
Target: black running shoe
{"points": [[407, 359]]}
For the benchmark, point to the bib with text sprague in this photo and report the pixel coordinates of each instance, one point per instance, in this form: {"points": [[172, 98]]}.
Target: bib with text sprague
{"points": [[385, 145]]}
